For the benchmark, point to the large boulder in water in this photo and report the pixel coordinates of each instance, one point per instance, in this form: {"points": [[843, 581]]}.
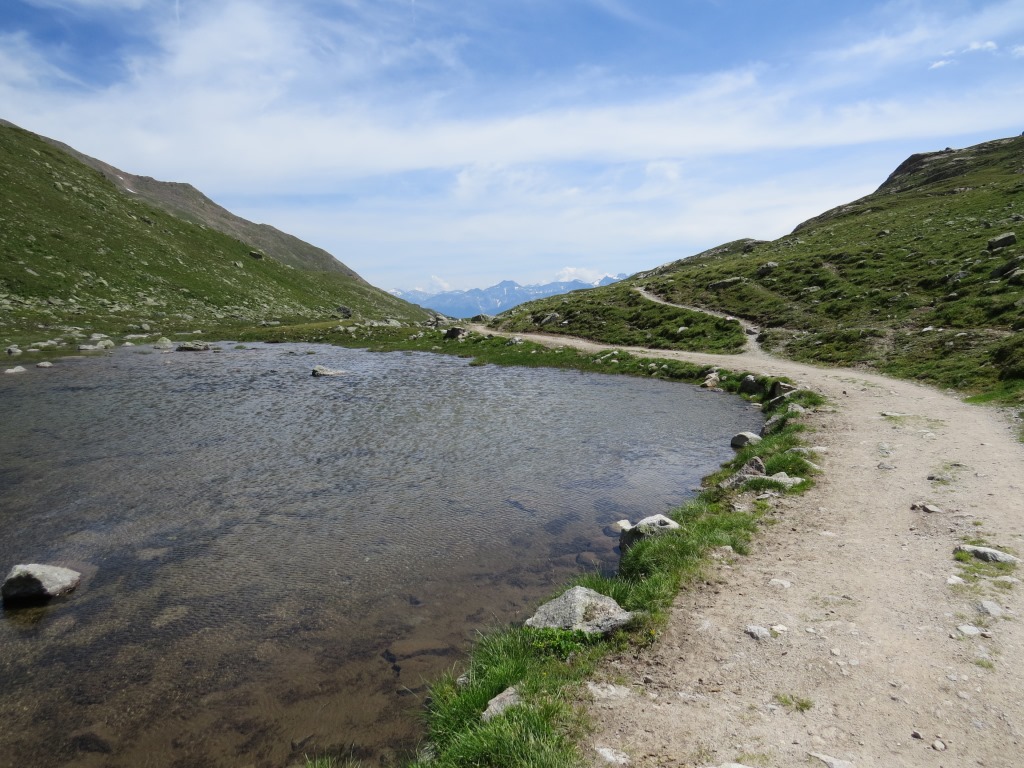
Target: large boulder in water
{"points": [[35, 583], [654, 525], [581, 609]]}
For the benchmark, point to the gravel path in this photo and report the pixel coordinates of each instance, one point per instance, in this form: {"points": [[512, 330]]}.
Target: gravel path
{"points": [[855, 581]]}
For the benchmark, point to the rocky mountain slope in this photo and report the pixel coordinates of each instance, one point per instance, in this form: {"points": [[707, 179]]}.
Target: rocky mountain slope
{"points": [[78, 251], [497, 298], [924, 278]]}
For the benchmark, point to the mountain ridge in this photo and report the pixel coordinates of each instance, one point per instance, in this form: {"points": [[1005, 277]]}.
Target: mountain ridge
{"points": [[496, 298]]}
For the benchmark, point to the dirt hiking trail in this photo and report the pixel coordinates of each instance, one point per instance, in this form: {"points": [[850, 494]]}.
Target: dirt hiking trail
{"points": [[876, 657]]}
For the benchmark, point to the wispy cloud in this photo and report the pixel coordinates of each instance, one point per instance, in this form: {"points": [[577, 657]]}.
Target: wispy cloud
{"points": [[416, 140]]}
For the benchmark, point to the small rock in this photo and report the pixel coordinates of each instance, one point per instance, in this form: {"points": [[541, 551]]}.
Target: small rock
{"points": [[44, 364], [744, 439], [163, 343], [612, 756], [885, 465], [655, 525], [607, 691], [15, 369], [831, 762], [969, 630], [938, 745], [1002, 241], [581, 609], [922, 506], [989, 608], [36, 583], [194, 346], [508, 698], [780, 583], [987, 554], [955, 581], [322, 370], [758, 633], [779, 629], [916, 735]]}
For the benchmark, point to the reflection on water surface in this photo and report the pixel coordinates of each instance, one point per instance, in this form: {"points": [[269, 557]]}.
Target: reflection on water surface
{"points": [[275, 564]]}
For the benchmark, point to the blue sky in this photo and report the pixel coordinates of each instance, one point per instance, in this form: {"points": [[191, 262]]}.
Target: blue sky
{"points": [[454, 143]]}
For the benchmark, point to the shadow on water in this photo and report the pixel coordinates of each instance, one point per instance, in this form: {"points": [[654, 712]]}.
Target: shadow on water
{"points": [[275, 564]]}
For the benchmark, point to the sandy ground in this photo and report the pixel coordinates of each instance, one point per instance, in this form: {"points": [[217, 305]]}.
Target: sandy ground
{"points": [[855, 583]]}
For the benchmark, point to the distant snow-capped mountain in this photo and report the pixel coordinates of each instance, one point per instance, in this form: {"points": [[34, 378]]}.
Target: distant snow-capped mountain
{"points": [[496, 299]]}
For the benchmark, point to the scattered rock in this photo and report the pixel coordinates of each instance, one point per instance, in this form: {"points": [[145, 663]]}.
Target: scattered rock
{"points": [[767, 268], [784, 479], [718, 285], [987, 554], [923, 506], [780, 583], [13, 350], [581, 609], [775, 422], [508, 698], [938, 745], [753, 468], [989, 608], [712, 381], [612, 756], [758, 632], [969, 630], [831, 762], [36, 583], [954, 581], [163, 343], [44, 364], [322, 370], [743, 439], [655, 525], [455, 333], [194, 346], [1002, 241], [15, 369], [607, 691], [749, 385]]}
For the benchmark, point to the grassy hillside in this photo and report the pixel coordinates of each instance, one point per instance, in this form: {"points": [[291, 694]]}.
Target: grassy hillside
{"points": [[76, 251], [910, 280]]}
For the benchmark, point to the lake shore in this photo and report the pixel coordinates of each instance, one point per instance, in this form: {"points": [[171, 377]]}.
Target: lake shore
{"points": [[877, 645]]}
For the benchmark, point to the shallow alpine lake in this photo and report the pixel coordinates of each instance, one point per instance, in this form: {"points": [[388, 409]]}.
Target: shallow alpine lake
{"points": [[275, 564]]}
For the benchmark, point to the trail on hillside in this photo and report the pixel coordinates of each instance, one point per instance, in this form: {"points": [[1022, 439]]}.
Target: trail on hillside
{"points": [[869, 633]]}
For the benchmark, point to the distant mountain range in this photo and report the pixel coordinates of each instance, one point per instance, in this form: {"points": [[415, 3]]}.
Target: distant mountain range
{"points": [[497, 298]]}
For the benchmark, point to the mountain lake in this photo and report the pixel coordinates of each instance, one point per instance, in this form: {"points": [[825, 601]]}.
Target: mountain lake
{"points": [[276, 564]]}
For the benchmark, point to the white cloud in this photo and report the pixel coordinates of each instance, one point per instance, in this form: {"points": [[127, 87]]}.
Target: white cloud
{"points": [[1018, 51], [988, 45], [568, 274], [939, 64], [92, 5]]}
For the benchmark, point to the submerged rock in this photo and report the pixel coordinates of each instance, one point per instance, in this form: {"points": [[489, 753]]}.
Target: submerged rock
{"points": [[323, 370], [194, 346], [581, 609], [35, 583]]}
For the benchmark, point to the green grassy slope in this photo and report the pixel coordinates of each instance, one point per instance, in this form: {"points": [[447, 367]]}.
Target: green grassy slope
{"points": [[76, 251], [903, 280]]}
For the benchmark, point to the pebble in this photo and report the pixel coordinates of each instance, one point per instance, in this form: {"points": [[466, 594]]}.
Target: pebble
{"points": [[612, 756], [955, 581], [781, 583], [939, 745], [969, 630]]}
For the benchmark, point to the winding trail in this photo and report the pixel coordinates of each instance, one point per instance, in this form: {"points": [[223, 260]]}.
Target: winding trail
{"points": [[870, 635]]}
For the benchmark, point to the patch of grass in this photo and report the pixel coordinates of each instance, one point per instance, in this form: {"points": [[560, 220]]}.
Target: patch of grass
{"points": [[985, 664], [794, 703]]}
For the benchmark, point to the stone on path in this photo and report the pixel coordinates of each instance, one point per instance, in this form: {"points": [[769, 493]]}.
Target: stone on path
{"points": [[990, 608], [581, 609], [831, 762], [758, 633], [780, 583], [969, 630], [987, 554], [612, 756], [923, 506], [36, 583], [508, 698]]}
